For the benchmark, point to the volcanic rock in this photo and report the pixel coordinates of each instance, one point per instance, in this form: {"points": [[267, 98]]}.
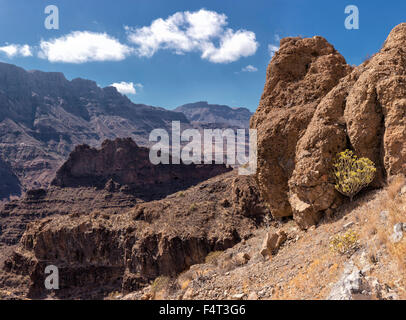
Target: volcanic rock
{"points": [[298, 77], [43, 116], [113, 178], [98, 252], [315, 105]]}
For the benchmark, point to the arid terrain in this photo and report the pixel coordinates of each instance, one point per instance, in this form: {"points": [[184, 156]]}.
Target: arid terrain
{"points": [[118, 227]]}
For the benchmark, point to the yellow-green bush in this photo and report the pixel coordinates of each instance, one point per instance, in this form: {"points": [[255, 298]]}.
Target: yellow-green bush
{"points": [[344, 243], [352, 174]]}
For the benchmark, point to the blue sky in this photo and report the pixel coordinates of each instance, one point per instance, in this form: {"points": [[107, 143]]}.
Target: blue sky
{"points": [[188, 67]]}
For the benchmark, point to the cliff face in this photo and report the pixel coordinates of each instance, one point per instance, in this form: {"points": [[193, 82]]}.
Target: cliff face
{"points": [[298, 77], [315, 105], [113, 179], [98, 250], [43, 116], [122, 162]]}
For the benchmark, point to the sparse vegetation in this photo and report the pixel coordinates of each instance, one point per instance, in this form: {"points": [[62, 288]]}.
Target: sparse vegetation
{"points": [[193, 207], [352, 174], [212, 257], [160, 284], [114, 295], [346, 243]]}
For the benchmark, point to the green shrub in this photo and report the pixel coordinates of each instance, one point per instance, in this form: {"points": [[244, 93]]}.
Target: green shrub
{"points": [[160, 283], [352, 174], [345, 243], [212, 257]]}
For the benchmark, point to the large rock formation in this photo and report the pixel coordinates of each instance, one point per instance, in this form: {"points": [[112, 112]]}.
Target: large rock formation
{"points": [[122, 162], [315, 105]]}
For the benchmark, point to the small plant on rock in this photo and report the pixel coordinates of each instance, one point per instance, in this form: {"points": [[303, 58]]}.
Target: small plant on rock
{"points": [[352, 174], [345, 243]]}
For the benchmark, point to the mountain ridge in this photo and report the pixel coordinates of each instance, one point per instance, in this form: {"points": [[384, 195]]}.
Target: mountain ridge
{"points": [[43, 116], [202, 112]]}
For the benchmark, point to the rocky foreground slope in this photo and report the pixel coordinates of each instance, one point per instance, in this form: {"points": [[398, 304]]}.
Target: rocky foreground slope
{"points": [[100, 251], [315, 105]]}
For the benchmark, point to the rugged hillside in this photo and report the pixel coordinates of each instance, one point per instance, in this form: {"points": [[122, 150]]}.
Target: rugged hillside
{"points": [[304, 266], [219, 116], [43, 116], [217, 239], [315, 105], [113, 179], [125, 250]]}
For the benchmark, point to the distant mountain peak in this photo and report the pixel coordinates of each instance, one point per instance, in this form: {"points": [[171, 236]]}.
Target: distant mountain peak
{"points": [[204, 113]]}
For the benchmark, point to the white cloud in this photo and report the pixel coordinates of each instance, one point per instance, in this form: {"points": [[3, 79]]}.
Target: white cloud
{"points": [[84, 46], [12, 50], [197, 31], [272, 49], [233, 46], [25, 50], [126, 87], [249, 68]]}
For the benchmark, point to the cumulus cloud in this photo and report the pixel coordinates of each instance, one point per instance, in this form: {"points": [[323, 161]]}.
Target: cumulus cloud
{"points": [[272, 49], [84, 46], [126, 87], [249, 68], [12, 50], [201, 31]]}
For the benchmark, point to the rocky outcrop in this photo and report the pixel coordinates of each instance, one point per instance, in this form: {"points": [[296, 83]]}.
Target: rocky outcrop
{"points": [[298, 77], [122, 163], [101, 251], [246, 198], [273, 242], [315, 105]]}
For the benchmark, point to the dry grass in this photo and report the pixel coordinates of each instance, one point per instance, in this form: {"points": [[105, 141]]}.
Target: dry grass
{"points": [[377, 230], [212, 257], [308, 279], [184, 279], [160, 287]]}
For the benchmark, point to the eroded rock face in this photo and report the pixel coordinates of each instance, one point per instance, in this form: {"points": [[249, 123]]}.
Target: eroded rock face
{"points": [[313, 106], [122, 163], [101, 251], [113, 178], [298, 77], [246, 198]]}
